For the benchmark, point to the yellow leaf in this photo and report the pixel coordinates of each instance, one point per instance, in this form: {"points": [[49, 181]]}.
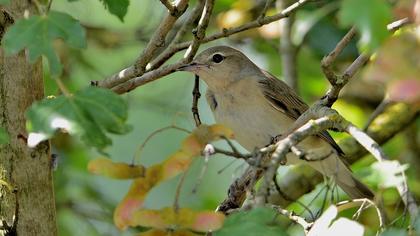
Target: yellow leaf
{"points": [[105, 166], [167, 218]]}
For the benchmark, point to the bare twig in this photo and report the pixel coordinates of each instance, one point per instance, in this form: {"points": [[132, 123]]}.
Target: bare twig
{"points": [[250, 25], [394, 119], [170, 50], [208, 151], [267, 5], [178, 191], [240, 185], [145, 78], [293, 217], [374, 148], [200, 32], [196, 95], [157, 41], [283, 147], [327, 61], [357, 202], [141, 147], [168, 5], [130, 77]]}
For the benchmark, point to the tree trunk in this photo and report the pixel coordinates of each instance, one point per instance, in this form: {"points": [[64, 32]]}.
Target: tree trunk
{"points": [[29, 207]]}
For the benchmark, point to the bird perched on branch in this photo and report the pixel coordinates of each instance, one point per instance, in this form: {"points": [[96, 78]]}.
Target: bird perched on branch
{"points": [[259, 107]]}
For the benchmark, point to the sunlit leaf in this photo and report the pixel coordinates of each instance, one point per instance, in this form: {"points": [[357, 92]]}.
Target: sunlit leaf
{"points": [[326, 225], [37, 34], [116, 170], [369, 17], [117, 7], [344, 226], [387, 173], [89, 113], [184, 218], [260, 221], [4, 137], [322, 224]]}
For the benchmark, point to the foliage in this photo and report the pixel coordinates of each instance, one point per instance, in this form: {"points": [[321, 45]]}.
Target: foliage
{"points": [[37, 34], [115, 7], [259, 221], [371, 20], [94, 115], [89, 113]]}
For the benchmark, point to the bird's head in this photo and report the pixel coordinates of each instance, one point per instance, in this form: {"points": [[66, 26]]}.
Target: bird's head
{"points": [[221, 65]]}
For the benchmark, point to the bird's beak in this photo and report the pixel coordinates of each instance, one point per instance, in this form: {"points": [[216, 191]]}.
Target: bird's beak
{"points": [[192, 67]]}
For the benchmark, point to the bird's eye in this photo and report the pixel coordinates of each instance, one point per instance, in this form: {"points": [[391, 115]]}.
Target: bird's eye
{"points": [[218, 58]]}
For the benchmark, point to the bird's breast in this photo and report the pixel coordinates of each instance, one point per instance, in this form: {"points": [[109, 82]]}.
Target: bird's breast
{"points": [[253, 120]]}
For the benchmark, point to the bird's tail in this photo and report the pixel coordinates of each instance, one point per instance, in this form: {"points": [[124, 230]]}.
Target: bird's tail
{"points": [[358, 190], [334, 167]]}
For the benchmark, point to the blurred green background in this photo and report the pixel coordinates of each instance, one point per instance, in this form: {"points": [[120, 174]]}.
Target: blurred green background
{"points": [[85, 202]]}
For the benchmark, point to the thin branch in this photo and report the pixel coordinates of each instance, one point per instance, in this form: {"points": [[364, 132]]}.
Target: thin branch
{"points": [[196, 95], [369, 144], [146, 78], [157, 41], [130, 78], [327, 61], [162, 71], [207, 152], [169, 51], [283, 147], [267, 5], [250, 25], [148, 138], [395, 118], [293, 217], [200, 32], [339, 81], [168, 5], [341, 206]]}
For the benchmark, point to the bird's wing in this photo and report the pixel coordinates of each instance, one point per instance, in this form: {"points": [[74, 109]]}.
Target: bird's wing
{"points": [[285, 100]]}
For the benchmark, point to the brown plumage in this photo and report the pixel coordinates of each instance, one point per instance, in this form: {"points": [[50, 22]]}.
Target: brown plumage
{"points": [[258, 107]]}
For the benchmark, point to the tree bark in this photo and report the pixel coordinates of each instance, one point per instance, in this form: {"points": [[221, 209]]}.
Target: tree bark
{"points": [[28, 208]]}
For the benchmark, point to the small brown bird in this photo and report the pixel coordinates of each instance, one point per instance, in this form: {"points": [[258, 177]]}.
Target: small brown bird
{"points": [[258, 107]]}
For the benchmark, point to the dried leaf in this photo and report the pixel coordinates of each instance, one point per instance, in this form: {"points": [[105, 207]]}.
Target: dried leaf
{"points": [[128, 210], [116, 170], [184, 218]]}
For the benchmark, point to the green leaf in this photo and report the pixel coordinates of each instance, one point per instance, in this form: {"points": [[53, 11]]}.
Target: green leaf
{"points": [[117, 7], [369, 17], [259, 221], [4, 137], [37, 34], [4, 2], [387, 174], [89, 113]]}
